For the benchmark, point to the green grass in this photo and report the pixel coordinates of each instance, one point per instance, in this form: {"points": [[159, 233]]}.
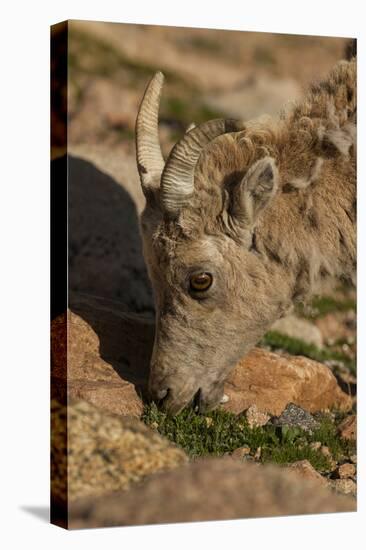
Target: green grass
{"points": [[293, 346], [221, 432], [322, 305]]}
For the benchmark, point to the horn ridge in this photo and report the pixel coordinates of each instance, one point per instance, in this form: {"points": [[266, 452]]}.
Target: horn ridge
{"points": [[177, 180]]}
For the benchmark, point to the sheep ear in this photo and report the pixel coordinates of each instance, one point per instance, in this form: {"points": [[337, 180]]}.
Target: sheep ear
{"points": [[255, 191]]}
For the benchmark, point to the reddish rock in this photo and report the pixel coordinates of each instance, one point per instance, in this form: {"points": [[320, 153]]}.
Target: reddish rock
{"points": [[107, 355], [271, 381]]}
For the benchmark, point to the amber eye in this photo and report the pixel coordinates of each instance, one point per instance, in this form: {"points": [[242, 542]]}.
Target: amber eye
{"points": [[200, 281]]}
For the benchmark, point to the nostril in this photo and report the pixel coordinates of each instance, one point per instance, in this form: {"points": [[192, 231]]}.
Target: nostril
{"points": [[160, 394]]}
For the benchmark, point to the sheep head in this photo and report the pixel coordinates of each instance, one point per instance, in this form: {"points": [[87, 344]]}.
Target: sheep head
{"points": [[214, 293]]}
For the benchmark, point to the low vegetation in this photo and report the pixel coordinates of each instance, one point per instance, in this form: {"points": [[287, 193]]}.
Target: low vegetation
{"points": [[293, 346], [221, 432], [322, 305]]}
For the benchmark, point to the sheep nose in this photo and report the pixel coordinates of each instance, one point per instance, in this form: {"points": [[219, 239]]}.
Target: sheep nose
{"points": [[160, 394], [157, 392]]}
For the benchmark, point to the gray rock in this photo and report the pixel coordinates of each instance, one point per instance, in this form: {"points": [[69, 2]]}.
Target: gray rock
{"points": [[295, 416]]}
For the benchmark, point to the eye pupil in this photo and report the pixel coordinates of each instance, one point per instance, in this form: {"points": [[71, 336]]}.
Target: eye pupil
{"points": [[201, 281]]}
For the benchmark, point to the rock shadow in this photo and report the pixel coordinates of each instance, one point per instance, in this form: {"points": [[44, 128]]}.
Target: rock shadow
{"points": [[125, 339], [105, 262], [105, 250]]}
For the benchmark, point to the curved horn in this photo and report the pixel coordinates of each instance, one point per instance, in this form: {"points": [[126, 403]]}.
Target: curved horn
{"points": [[177, 181], [150, 160]]}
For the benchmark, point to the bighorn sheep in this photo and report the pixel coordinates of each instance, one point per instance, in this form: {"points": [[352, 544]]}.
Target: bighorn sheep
{"points": [[241, 222]]}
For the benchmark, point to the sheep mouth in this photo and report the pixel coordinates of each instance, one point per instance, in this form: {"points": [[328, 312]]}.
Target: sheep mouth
{"points": [[173, 404], [198, 402]]}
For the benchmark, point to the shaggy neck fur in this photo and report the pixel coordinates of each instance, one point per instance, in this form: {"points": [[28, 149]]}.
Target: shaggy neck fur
{"points": [[309, 229]]}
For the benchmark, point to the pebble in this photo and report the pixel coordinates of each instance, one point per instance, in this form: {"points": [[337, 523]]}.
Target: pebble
{"points": [[255, 417], [348, 427], [325, 451], [304, 469], [346, 470], [258, 453], [241, 452], [345, 486]]}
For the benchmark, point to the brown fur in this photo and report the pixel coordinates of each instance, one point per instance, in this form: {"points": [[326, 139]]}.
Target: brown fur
{"points": [[263, 261]]}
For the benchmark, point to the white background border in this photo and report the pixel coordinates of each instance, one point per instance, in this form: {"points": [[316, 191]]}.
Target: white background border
{"points": [[24, 131]]}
